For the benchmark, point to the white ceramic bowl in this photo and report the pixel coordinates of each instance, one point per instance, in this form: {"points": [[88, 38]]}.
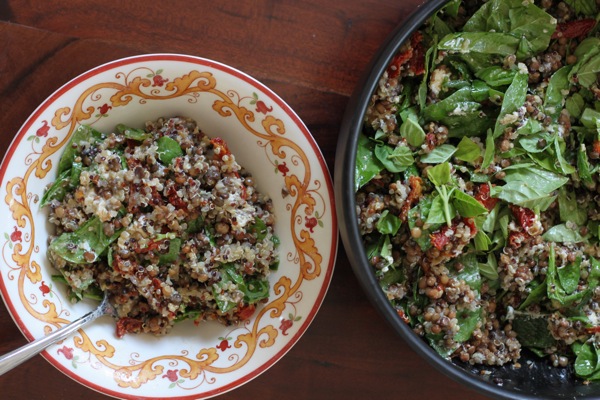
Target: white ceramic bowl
{"points": [[267, 138]]}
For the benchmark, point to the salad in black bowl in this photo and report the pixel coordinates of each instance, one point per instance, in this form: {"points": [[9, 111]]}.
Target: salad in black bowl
{"points": [[472, 210]]}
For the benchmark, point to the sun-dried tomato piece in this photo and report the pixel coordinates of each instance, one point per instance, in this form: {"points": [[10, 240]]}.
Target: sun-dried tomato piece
{"points": [[174, 199], [482, 195], [128, 325], [220, 148], [416, 189], [516, 239], [246, 312], [439, 239], [403, 316], [397, 61], [574, 29], [416, 64], [525, 216]]}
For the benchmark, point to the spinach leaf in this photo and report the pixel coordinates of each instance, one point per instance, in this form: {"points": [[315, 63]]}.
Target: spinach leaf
{"points": [[390, 277], [563, 234], [559, 148], [532, 330], [555, 289], [437, 213], [529, 186], [466, 205], [469, 273], [58, 189], [496, 76], [168, 149], [412, 132], [420, 212], [544, 181], [585, 70], [537, 292], [83, 134], [522, 20], [587, 74], [460, 112], [514, 98], [258, 229], [440, 174], [569, 209], [501, 44], [468, 321], [394, 159], [422, 91], [575, 105], [438, 155], [568, 275], [490, 150], [559, 82], [590, 118], [586, 362], [229, 275], [367, 166], [467, 150], [388, 223], [83, 246], [583, 166], [173, 253], [489, 269], [585, 7], [255, 290], [482, 241], [132, 133], [491, 220], [531, 143], [524, 194]]}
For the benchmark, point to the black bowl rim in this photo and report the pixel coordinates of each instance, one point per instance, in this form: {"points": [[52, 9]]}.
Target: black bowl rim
{"points": [[344, 194]]}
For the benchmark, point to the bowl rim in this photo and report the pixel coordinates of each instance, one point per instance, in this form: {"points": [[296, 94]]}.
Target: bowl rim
{"points": [[344, 178], [328, 267]]}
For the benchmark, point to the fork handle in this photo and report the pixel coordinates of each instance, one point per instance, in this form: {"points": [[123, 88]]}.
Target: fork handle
{"points": [[24, 353]]}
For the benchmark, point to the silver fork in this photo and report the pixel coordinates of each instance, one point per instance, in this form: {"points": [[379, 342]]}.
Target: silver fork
{"points": [[24, 353]]}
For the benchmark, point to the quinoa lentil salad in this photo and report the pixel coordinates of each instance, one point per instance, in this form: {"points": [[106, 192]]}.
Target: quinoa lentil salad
{"points": [[477, 184], [163, 220]]}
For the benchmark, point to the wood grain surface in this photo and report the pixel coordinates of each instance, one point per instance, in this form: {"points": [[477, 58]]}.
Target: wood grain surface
{"points": [[311, 53]]}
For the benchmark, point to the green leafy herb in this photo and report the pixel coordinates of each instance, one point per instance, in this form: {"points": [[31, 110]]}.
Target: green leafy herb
{"points": [[388, 223], [396, 159], [513, 100], [173, 253], [440, 154], [83, 246], [412, 132], [82, 135], [569, 209], [532, 330], [467, 150], [466, 205], [132, 133], [563, 234], [367, 166], [559, 82], [168, 149]]}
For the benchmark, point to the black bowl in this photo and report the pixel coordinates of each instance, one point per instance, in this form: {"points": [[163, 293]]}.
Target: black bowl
{"points": [[536, 378]]}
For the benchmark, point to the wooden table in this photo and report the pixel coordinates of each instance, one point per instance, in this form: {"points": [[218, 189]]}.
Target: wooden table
{"points": [[311, 53]]}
